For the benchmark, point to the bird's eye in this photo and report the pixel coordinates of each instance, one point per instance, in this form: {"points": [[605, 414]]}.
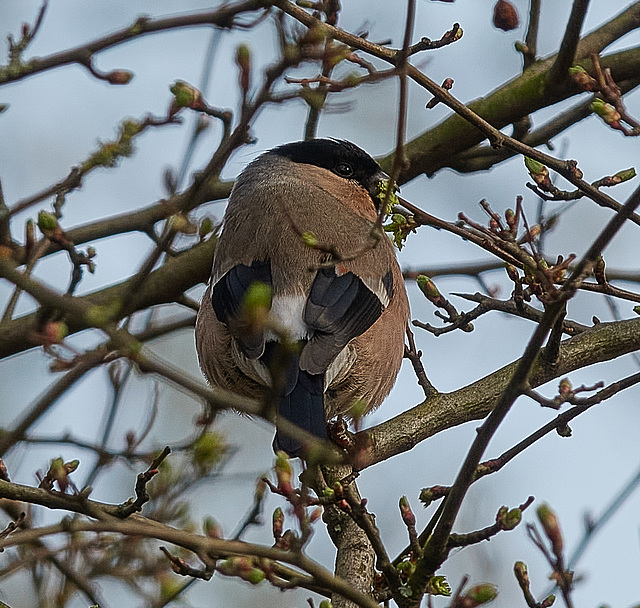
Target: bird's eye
{"points": [[343, 169]]}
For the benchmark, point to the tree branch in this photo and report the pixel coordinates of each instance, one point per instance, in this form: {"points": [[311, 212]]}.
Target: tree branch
{"points": [[603, 342], [213, 548], [567, 53], [223, 16], [162, 286]]}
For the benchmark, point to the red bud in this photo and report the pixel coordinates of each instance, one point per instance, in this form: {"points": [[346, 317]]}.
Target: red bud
{"points": [[505, 16]]}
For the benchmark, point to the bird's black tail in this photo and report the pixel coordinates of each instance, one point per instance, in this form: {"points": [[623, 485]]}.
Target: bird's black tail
{"points": [[303, 404]]}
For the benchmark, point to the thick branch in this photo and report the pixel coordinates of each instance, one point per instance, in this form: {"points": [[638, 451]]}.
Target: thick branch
{"points": [[454, 135], [434, 149], [163, 285], [212, 548], [603, 342], [140, 220], [520, 97]]}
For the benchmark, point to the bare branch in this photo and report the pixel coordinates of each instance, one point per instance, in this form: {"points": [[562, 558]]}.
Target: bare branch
{"points": [[567, 53], [531, 39], [224, 16]]}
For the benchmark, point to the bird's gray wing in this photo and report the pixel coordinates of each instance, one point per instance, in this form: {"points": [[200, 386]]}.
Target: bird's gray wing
{"points": [[227, 296], [338, 309]]}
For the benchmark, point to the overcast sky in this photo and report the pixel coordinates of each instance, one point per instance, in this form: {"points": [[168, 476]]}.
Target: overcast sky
{"points": [[55, 120]]}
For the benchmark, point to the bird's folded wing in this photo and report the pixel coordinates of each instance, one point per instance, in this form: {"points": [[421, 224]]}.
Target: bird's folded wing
{"points": [[338, 309]]}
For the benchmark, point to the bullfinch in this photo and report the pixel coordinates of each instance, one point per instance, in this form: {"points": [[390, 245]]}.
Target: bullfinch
{"points": [[299, 221]]}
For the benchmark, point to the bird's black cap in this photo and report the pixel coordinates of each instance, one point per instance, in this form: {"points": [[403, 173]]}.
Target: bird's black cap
{"points": [[337, 155]]}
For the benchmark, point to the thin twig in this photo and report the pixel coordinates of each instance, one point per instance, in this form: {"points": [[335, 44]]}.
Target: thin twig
{"points": [[435, 550], [531, 38], [84, 364]]}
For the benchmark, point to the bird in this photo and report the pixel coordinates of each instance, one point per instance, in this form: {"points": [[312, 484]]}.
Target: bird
{"points": [[299, 221]]}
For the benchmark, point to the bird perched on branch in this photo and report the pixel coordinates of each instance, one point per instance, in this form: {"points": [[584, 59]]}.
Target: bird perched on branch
{"points": [[298, 263]]}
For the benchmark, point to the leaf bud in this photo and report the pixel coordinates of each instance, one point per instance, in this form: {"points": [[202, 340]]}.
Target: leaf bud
{"points": [[47, 221], [119, 77], [582, 78], [505, 16], [479, 594], [408, 517], [549, 521]]}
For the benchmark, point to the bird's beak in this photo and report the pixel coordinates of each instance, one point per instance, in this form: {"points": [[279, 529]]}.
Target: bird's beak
{"points": [[378, 189], [378, 183]]}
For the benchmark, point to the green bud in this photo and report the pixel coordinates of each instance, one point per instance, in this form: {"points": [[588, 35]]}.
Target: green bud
{"points": [[582, 78], [47, 221], [625, 175], [243, 55], [255, 576], [397, 220], [382, 194], [400, 226], [533, 166], [181, 223], [56, 468], [427, 286], [283, 463], [511, 519], [406, 568], [206, 227], [243, 61], [430, 291], [598, 105], [211, 528], [256, 301], [71, 466], [522, 574], [98, 316], [227, 567], [55, 331], [565, 387], [284, 472], [549, 521], [577, 69], [480, 594], [313, 97], [186, 95], [351, 79], [605, 110], [208, 450], [310, 240]]}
